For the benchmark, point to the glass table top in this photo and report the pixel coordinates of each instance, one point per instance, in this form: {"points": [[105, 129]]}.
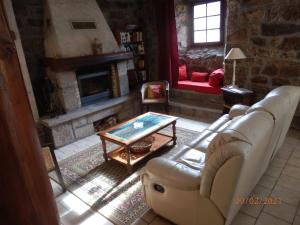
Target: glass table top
{"points": [[132, 128]]}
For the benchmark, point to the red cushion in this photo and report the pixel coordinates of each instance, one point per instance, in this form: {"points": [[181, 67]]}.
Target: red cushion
{"points": [[216, 78], [182, 72], [199, 77], [202, 87], [155, 91]]}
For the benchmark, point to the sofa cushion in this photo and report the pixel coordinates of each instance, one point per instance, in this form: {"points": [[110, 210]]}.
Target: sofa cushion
{"points": [[244, 128], [199, 77], [216, 78], [237, 110], [182, 72], [272, 106], [203, 140], [202, 87]]}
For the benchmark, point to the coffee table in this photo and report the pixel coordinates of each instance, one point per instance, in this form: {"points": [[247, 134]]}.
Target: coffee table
{"points": [[130, 132]]}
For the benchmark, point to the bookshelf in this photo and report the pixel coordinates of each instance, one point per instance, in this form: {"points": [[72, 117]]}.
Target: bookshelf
{"points": [[131, 39]]}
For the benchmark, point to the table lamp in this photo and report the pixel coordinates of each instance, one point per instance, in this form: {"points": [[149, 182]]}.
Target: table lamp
{"points": [[234, 54]]}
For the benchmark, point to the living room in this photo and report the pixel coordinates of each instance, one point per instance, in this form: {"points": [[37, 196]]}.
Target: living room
{"points": [[150, 112]]}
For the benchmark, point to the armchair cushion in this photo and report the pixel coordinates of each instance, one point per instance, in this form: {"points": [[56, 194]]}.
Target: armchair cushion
{"points": [[155, 91]]}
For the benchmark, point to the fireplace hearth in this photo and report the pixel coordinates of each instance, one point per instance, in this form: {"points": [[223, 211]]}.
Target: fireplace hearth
{"points": [[94, 85]]}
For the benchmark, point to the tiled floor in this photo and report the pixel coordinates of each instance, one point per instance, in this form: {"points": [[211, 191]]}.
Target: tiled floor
{"points": [[282, 180]]}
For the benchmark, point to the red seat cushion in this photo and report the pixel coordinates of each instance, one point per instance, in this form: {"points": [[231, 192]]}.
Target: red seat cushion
{"points": [[155, 91], [199, 76], [203, 87], [216, 78], [182, 72]]}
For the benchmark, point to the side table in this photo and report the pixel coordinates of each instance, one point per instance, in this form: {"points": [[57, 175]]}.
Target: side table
{"points": [[234, 96]]}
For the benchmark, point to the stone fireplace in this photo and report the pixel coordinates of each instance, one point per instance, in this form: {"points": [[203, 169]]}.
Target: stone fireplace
{"points": [[87, 86], [71, 28]]}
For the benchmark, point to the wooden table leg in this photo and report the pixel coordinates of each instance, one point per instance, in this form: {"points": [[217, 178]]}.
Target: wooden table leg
{"points": [[129, 167], [174, 133], [104, 149]]}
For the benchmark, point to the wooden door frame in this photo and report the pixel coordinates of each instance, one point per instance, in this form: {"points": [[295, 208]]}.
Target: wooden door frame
{"points": [[26, 194]]}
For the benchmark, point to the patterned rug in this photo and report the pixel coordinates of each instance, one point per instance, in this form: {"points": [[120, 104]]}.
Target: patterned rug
{"points": [[106, 186]]}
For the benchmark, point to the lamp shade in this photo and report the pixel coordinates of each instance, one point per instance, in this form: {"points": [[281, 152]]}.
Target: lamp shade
{"points": [[235, 53]]}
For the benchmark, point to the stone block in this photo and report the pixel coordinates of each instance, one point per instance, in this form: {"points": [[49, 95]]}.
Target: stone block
{"points": [[258, 41], [260, 79], [84, 131], [124, 85], [270, 69], [62, 135], [279, 81], [289, 69], [66, 79], [79, 123], [70, 98], [290, 44], [279, 29]]}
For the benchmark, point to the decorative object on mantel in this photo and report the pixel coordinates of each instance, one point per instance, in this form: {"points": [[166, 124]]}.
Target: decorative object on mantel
{"points": [[234, 54], [97, 47]]}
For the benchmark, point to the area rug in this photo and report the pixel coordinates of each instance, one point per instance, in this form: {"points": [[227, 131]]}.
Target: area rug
{"points": [[106, 186]]}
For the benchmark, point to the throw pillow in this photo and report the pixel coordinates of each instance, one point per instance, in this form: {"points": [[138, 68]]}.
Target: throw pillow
{"points": [[199, 76], [155, 91], [182, 72], [216, 78]]}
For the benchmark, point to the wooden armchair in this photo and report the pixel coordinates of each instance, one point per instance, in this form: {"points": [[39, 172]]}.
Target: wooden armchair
{"points": [[164, 100]]}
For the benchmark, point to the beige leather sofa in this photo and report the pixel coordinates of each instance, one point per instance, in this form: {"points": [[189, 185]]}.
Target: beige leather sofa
{"points": [[201, 184]]}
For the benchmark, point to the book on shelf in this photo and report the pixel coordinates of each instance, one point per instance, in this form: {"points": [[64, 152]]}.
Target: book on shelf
{"points": [[128, 37]]}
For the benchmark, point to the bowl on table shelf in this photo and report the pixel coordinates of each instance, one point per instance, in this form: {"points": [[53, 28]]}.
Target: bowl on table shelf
{"points": [[142, 146]]}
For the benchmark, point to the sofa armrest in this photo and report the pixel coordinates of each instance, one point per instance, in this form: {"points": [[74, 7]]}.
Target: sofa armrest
{"points": [[171, 173], [238, 110]]}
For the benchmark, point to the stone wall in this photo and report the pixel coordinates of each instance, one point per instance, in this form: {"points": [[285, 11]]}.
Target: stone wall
{"points": [[268, 31], [119, 13], [29, 16]]}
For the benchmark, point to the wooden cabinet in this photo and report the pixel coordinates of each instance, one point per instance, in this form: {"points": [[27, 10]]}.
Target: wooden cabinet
{"points": [[234, 96]]}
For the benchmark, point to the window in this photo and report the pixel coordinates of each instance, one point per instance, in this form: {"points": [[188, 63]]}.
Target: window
{"points": [[208, 22]]}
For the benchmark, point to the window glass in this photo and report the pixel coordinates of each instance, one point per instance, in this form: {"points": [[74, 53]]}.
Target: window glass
{"points": [[200, 24], [207, 22], [200, 36], [199, 10], [213, 35], [213, 22], [213, 8]]}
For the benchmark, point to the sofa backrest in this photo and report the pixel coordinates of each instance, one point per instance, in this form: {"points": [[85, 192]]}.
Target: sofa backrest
{"points": [[281, 103], [245, 141], [292, 94]]}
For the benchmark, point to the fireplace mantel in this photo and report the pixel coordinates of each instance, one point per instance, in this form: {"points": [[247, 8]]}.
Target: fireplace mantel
{"points": [[73, 63]]}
